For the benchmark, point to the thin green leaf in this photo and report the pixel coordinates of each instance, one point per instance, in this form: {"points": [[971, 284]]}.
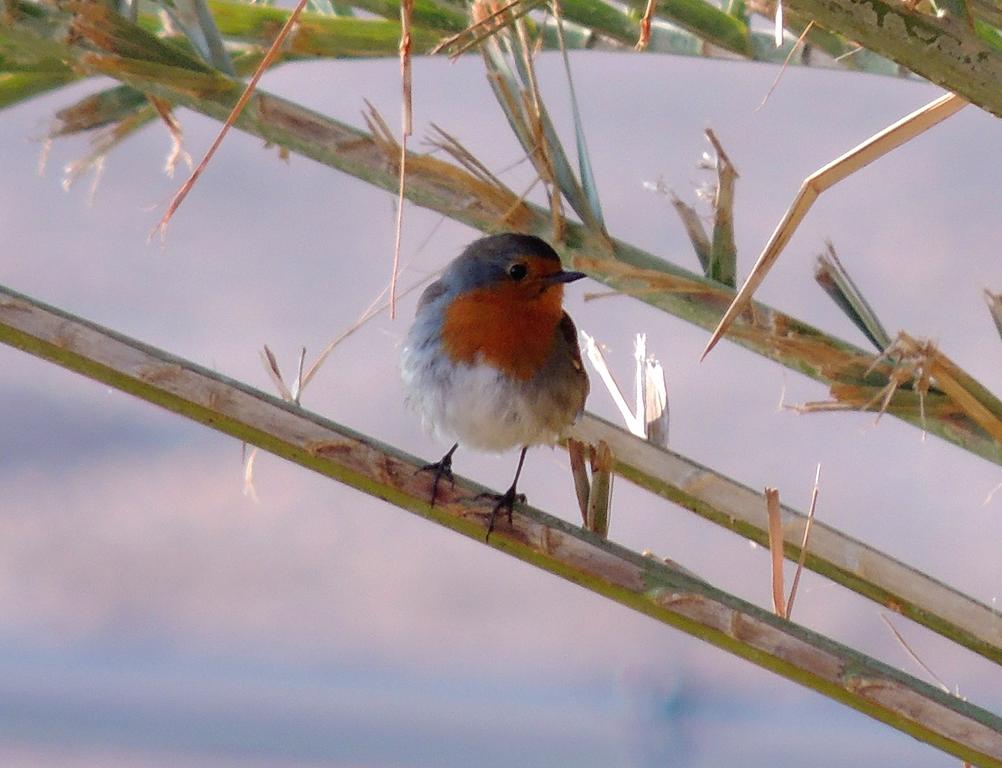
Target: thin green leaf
{"points": [[566, 181], [835, 280], [723, 253], [695, 230], [584, 159]]}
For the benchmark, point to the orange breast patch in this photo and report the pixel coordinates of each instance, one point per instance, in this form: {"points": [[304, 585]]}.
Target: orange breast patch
{"points": [[505, 326]]}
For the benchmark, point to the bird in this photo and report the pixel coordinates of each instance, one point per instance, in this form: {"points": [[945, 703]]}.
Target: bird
{"points": [[491, 361]]}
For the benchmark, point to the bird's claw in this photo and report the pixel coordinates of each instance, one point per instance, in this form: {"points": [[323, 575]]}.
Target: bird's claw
{"points": [[441, 468], [506, 500]]}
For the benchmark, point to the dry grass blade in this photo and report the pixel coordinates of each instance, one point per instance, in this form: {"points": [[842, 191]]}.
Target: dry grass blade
{"points": [[914, 656], [803, 544], [645, 26], [406, 128], [600, 497], [776, 551], [304, 377], [269, 57], [786, 63], [500, 18], [824, 178], [370, 312], [448, 143], [576, 451]]}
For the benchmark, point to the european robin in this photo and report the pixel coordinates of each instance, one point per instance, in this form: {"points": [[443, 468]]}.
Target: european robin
{"points": [[492, 361]]}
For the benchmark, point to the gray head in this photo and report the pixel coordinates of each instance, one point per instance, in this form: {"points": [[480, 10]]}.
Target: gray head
{"points": [[508, 257]]}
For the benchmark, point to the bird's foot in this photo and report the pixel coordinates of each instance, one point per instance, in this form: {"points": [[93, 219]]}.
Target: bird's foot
{"points": [[506, 501], [441, 468]]}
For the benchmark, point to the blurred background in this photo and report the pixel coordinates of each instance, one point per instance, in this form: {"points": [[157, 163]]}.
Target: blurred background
{"points": [[152, 614]]}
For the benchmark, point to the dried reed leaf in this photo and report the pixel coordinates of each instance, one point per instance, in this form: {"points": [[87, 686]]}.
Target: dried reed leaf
{"points": [[600, 497], [776, 550], [275, 374], [652, 394], [824, 178], [594, 354], [576, 450], [185, 188], [455, 149]]}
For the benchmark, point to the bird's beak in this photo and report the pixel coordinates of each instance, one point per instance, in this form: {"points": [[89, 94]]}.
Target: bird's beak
{"points": [[563, 276]]}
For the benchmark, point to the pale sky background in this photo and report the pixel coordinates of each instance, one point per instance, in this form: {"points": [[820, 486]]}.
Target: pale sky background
{"points": [[153, 615]]}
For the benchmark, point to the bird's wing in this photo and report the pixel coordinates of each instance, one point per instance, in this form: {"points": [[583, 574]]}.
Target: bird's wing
{"points": [[570, 334], [430, 293]]}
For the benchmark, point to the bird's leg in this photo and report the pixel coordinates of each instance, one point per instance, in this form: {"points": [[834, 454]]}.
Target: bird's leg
{"points": [[507, 499], [441, 468]]}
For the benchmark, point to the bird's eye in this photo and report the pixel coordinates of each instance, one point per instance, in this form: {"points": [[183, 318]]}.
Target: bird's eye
{"points": [[517, 271]]}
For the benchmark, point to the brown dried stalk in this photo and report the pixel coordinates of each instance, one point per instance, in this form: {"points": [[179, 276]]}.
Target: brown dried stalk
{"points": [[266, 62], [776, 551]]}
